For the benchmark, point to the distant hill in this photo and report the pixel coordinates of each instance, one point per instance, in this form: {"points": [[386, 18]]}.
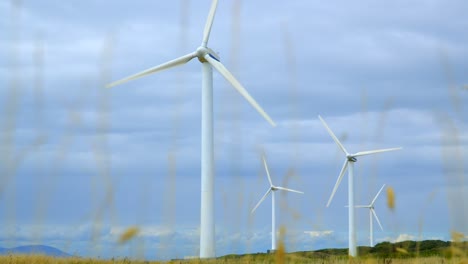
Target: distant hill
{"points": [[34, 249], [426, 248], [405, 249]]}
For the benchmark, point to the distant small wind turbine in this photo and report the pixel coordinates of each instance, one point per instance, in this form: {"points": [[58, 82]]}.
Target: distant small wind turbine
{"points": [[209, 60], [349, 162], [272, 189], [372, 213]]}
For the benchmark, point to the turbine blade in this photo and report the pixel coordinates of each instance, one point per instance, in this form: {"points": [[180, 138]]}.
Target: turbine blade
{"points": [[362, 153], [173, 63], [209, 23], [333, 135], [375, 198], [230, 78], [360, 206], [338, 181], [261, 200], [376, 218], [289, 190], [267, 171]]}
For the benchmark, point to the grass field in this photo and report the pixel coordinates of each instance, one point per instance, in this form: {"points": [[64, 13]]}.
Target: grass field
{"points": [[429, 251]]}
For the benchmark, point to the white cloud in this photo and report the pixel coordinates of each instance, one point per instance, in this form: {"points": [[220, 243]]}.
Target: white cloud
{"points": [[403, 237], [319, 234]]}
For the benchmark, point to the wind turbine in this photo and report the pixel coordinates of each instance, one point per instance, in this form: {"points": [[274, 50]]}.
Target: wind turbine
{"points": [[372, 212], [209, 60], [272, 189], [349, 163]]}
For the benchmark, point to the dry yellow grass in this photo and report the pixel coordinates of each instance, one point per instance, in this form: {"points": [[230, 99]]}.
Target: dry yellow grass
{"points": [[390, 198], [128, 234]]}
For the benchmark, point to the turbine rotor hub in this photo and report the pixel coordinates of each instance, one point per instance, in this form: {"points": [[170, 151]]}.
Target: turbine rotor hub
{"points": [[201, 52]]}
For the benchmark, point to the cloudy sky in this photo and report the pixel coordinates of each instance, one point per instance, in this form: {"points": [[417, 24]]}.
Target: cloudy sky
{"points": [[80, 164]]}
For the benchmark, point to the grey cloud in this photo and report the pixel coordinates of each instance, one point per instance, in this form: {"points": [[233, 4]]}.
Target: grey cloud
{"points": [[374, 71]]}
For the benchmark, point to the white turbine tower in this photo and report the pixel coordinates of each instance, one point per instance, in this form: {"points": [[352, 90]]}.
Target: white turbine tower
{"points": [[349, 162], [209, 59], [272, 189], [372, 213]]}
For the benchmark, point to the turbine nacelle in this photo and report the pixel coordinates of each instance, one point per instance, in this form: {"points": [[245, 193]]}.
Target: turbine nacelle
{"points": [[351, 158], [202, 51], [371, 207]]}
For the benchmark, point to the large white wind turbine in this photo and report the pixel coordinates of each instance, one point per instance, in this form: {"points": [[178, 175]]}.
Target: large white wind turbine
{"points": [[349, 163], [209, 59], [372, 213], [272, 189]]}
